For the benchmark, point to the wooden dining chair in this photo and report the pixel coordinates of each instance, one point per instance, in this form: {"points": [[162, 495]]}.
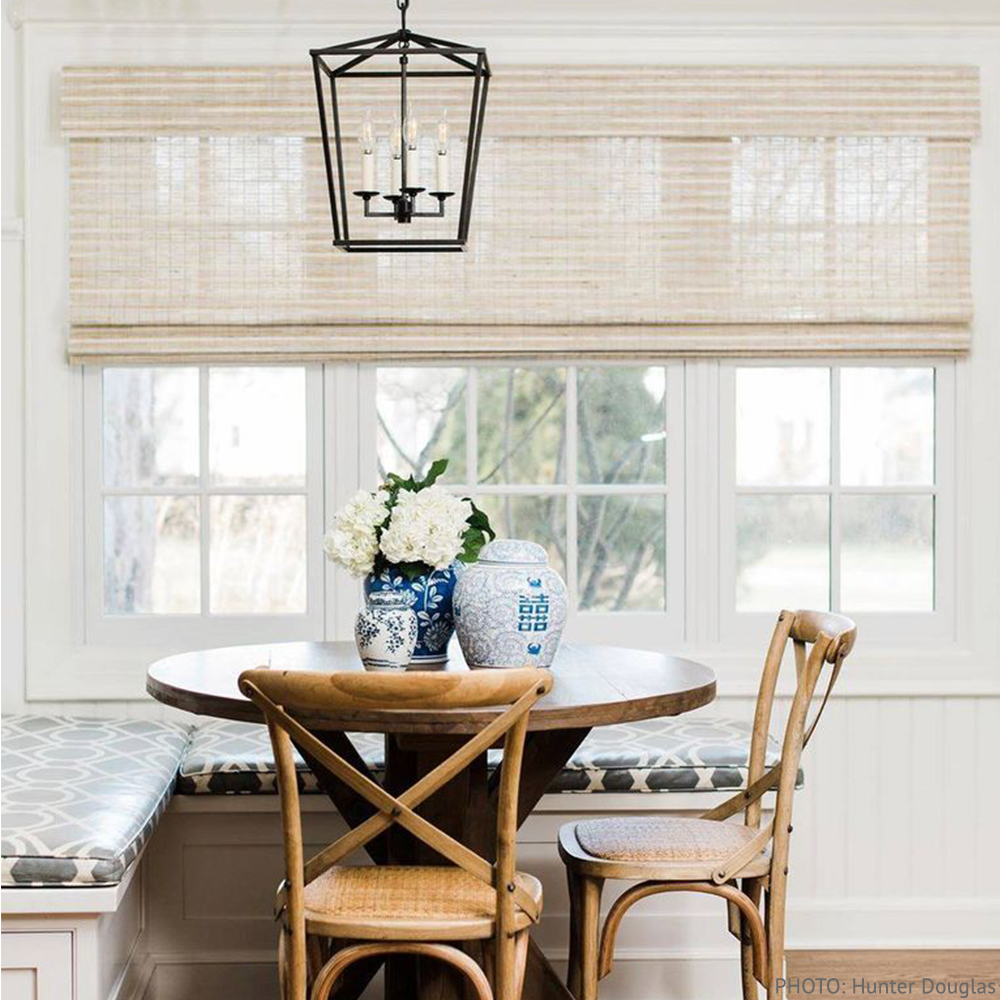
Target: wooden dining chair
{"points": [[333, 915], [739, 861]]}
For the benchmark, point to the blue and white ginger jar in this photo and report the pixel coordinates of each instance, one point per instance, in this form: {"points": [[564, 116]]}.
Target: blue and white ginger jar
{"points": [[510, 607], [386, 632], [430, 597]]}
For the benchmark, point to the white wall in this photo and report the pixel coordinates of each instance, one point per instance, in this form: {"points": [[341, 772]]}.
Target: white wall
{"points": [[898, 816], [11, 381]]}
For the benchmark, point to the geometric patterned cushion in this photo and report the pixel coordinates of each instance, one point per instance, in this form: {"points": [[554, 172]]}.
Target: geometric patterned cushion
{"points": [[235, 758], [673, 754], [657, 755], [80, 797]]}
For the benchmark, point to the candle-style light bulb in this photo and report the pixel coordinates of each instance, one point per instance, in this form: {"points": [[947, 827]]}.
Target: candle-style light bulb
{"points": [[441, 160], [366, 138], [412, 127], [396, 149], [442, 146], [411, 131], [396, 137]]}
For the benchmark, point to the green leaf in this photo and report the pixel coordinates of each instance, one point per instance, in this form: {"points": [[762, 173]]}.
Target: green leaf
{"points": [[411, 570], [479, 519], [436, 470], [476, 535], [474, 540]]}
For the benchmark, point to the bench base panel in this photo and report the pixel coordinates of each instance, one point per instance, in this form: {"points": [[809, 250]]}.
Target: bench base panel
{"points": [[84, 955]]}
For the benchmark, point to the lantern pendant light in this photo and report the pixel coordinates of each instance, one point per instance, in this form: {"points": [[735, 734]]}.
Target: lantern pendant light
{"points": [[397, 59]]}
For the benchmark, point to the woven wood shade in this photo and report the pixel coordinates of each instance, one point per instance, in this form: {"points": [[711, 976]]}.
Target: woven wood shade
{"points": [[707, 210]]}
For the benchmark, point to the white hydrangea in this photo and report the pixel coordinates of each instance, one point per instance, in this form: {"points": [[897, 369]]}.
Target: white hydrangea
{"points": [[426, 527], [352, 541]]}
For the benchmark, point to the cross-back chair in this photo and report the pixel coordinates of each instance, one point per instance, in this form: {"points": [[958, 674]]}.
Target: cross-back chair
{"points": [[738, 861], [333, 915]]}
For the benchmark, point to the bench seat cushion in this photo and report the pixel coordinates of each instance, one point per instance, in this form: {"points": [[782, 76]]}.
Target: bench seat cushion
{"points": [[657, 755], [235, 758], [81, 797]]}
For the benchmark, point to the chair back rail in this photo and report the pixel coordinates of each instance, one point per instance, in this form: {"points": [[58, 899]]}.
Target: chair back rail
{"points": [[282, 695], [813, 648]]}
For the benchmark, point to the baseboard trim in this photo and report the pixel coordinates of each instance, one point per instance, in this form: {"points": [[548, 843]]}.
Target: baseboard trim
{"points": [[135, 979]]}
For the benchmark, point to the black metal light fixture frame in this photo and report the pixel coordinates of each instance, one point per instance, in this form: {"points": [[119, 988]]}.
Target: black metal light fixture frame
{"points": [[402, 45]]}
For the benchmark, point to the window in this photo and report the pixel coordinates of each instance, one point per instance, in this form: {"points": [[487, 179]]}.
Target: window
{"points": [[835, 481], [586, 460], [826, 485], [203, 501]]}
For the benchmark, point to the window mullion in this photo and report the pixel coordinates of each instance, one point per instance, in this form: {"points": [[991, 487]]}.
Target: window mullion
{"points": [[572, 442], [204, 532], [835, 488], [472, 426], [709, 498]]}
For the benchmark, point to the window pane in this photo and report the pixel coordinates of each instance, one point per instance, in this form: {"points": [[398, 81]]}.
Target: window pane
{"points": [[887, 426], [782, 553], [538, 519], [621, 425], [151, 557], [257, 426], [150, 426], [782, 426], [258, 555], [421, 417], [621, 553], [522, 425], [887, 561]]}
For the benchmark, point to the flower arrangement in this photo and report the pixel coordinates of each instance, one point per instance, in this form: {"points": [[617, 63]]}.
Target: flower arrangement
{"points": [[413, 526]]}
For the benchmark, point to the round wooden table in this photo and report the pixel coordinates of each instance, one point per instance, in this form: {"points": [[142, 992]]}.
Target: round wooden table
{"points": [[594, 686]]}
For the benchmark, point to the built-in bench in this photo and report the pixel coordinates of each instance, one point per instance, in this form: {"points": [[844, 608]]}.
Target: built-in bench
{"points": [[81, 799], [658, 755]]}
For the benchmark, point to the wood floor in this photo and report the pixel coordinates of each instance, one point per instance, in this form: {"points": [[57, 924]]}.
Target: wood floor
{"points": [[859, 973]]}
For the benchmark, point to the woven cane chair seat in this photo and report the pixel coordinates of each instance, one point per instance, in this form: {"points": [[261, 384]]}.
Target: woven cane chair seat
{"points": [[662, 838], [401, 903]]}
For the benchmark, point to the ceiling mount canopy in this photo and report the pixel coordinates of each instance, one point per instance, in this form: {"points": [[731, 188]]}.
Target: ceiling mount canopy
{"points": [[399, 177]]}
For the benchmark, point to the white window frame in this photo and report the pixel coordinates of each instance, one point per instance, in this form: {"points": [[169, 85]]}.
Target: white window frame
{"points": [[203, 627], [881, 627], [62, 665]]}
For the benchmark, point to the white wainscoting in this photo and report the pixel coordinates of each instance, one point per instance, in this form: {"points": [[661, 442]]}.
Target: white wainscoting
{"points": [[84, 943], [892, 842]]}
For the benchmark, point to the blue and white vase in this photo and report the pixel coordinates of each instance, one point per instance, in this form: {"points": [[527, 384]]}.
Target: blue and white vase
{"points": [[430, 598], [510, 607], [386, 632]]}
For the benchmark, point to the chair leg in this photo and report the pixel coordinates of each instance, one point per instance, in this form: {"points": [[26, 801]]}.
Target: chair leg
{"points": [[510, 961], [315, 958], [775, 939], [490, 963], [505, 968], [746, 968], [282, 973], [585, 930], [751, 888], [520, 962], [573, 967]]}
